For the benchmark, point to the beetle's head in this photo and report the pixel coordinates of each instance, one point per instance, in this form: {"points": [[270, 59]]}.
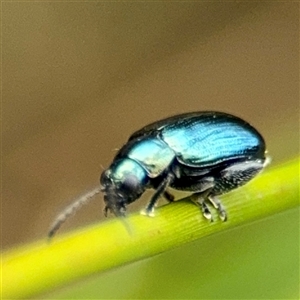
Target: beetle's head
{"points": [[122, 183]]}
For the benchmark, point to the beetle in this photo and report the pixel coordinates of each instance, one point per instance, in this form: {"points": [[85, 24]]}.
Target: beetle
{"points": [[206, 153]]}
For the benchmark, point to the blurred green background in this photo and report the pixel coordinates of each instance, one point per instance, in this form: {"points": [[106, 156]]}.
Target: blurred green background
{"points": [[79, 78]]}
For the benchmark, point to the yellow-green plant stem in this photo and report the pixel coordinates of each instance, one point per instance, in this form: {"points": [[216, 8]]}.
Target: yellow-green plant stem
{"points": [[42, 266]]}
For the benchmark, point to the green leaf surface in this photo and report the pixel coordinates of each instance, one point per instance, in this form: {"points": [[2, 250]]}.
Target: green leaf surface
{"points": [[43, 266]]}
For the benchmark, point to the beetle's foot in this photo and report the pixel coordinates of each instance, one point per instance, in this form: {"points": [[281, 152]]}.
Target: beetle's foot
{"points": [[219, 207], [199, 199], [222, 215], [148, 212], [205, 211]]}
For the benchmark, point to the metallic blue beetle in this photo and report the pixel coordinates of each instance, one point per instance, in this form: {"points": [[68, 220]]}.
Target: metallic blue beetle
{"points": [[206, 153]]}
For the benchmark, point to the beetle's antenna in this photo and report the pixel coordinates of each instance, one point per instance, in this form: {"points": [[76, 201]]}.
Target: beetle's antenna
{"points": [[71, 209]]}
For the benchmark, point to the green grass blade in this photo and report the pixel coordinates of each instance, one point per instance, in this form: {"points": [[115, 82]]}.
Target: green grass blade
{"points": [[42, 266]]}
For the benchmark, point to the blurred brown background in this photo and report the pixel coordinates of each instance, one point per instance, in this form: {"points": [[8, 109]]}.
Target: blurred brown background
{"points": [[79, 78]]}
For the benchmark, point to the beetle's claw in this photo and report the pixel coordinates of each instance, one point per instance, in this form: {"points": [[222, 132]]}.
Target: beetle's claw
{"points": [[206, 212], [223, 215], [207, 215]]}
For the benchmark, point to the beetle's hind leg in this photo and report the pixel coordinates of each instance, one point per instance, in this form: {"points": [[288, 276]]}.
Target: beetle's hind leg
{"points": [[231, 177], [161, 190], [218, 206], [200, 199]]}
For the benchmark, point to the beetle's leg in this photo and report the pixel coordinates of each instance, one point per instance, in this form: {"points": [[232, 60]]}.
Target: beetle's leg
{"points": [[161, 189], [169, 197], [199, 199], [230, 178], [106, 209], [219, 207]]}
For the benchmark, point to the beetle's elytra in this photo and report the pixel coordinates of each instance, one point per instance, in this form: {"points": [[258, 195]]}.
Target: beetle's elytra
{"points": [[206, 153]]}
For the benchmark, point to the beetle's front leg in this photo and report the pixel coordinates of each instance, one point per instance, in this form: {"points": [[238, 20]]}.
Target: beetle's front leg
{"points": [[161, 190]]}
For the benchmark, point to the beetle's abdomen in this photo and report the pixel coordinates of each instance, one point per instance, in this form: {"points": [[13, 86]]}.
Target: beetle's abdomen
{"points": [[199, 142]]}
